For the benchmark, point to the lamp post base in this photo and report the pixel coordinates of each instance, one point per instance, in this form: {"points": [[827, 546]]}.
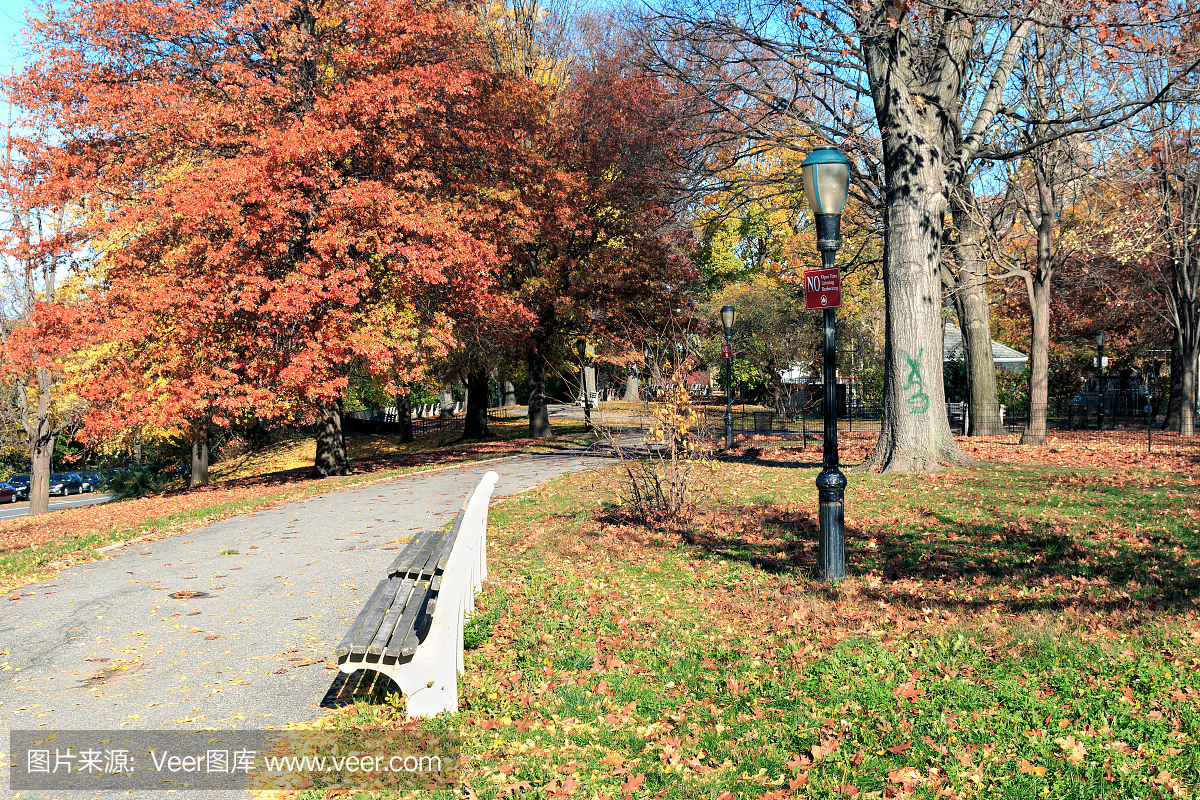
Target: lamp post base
{"points": [[831, 549]]}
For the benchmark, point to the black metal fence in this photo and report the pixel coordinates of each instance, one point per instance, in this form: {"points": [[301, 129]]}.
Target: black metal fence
{"points": [[1085, 420], [1065, 422]]}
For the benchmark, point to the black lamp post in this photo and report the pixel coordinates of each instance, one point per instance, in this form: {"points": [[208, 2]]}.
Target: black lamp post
{"points": [[826, 184], [728, 313], [1100, 366]]}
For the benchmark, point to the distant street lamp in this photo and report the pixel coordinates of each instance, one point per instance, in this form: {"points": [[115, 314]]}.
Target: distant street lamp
{"points": [[1100, 366], [826, 184], [728, 313]]}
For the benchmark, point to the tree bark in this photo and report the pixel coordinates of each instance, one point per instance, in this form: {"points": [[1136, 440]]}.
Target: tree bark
{"points": [[971, 301], [656, 378], [475, 426], [1181, 408], [631, 386], [919, 118], [510, 394], [915, 432], [404, 416], [199, 476], [539, 415], [331, 442], [41, 453], [1038, 289]]}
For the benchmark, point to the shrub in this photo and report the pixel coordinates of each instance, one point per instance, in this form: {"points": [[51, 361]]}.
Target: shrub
{"points": [[658, 477]]}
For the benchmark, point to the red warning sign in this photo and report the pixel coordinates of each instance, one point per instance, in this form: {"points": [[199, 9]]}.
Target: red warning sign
{"points": [[822, 289]]}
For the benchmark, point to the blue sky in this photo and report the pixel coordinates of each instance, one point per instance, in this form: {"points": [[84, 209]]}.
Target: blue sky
{"points": [[12, 19]]}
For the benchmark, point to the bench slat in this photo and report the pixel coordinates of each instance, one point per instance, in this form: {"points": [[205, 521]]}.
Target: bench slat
{"points": [[403, 641], [405, 558], [347, 641], [425, 561], [399, 600], [375, 617]]}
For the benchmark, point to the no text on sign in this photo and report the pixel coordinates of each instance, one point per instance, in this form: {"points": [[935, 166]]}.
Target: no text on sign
{"points": [[822, 289]]}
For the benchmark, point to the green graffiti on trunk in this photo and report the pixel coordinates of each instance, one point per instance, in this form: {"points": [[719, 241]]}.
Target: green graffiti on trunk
{"points": [[918, 403]]}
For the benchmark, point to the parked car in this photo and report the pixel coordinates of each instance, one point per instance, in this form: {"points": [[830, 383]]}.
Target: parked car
{"points": [[65, 483], [21, 483], [91, 480], [8, 493]]}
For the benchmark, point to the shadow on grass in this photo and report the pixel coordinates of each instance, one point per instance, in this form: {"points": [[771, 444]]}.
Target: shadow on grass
{"points": [[1010, 565]]}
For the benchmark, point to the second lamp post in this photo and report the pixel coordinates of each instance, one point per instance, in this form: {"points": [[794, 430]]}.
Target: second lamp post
{"points": [[826, 184], [1100, 380], [727, 316]]}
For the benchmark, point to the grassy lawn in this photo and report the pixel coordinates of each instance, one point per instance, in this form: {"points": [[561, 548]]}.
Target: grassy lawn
{"points": [[1013, 631], [32, 548]]}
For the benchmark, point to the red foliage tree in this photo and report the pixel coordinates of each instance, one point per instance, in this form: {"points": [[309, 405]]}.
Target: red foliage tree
{"points": [[274, 191], [610, 259]]}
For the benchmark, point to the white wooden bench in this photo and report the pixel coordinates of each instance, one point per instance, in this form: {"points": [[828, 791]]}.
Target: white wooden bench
{"points": [[411, 628]]}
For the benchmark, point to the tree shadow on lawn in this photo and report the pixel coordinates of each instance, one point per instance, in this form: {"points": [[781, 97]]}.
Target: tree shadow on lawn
{"points": [[450, 454], [1011, 566]]}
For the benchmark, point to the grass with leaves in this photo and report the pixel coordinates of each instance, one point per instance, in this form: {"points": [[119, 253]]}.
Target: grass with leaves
{"points": [[1016, 630]]}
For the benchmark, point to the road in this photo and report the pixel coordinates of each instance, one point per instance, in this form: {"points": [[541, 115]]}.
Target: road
{"points": [[230, 625], [16, 510]]}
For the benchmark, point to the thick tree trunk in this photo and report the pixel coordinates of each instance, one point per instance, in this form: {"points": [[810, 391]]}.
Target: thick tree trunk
{"points": [[199, 476], [1187, 406], [539, 415], [1039, 358], [971, 301], [656, 378], [331, 442], [404, 416], [1181, 415], [631, 386], [915, 433], [447, 404], [41, 453], [510, 394], [1175, 391], [475, 425]]}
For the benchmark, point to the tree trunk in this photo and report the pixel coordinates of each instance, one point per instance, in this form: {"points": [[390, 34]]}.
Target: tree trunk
{"points": [[1187, 406], [475, 426], [539, 415], [656, 378], [631, 386], [510, 394], [199, 475], [41, 452], [1182, 410], [404, 416], [915, 432], [1175, 391], [971, 301], [447, 404], [1038, 289], [331, 442]]}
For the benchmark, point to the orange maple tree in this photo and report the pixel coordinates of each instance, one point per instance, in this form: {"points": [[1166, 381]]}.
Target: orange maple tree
{"points": [[274, 191]]}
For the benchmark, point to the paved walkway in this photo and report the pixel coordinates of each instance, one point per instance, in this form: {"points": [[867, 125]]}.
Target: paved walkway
{"points": [[105, 645]]}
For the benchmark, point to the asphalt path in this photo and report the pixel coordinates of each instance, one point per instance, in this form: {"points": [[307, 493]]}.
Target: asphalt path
{"points": [[21, 509], [248, 644]]}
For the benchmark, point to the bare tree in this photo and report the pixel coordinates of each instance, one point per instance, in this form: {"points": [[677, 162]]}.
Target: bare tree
{"points": [[1158, 198], [913, 91]]}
